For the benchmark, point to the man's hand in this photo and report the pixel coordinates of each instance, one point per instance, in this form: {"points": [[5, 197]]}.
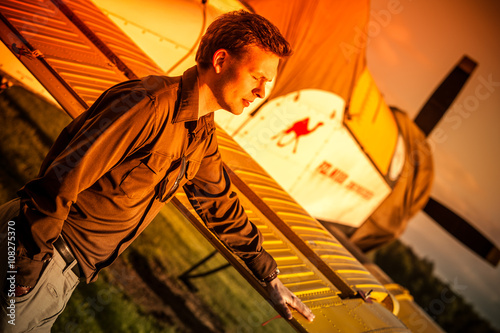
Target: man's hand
{"points": [[281, 297]]}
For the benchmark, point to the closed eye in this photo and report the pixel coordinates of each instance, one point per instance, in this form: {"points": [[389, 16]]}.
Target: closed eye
{"points": [[262, 78]]}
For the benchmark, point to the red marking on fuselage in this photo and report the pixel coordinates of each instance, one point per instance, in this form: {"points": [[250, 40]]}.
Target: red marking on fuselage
{"points": [[299, 128]]}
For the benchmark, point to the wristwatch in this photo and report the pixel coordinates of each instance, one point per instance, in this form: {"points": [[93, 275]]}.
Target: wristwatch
{"points": [[272, 276]]}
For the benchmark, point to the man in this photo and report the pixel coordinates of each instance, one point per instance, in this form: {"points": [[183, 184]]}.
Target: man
{"points": [[113, 168]]}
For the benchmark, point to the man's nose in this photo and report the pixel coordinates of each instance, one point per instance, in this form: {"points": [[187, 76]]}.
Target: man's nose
{"points": [[260, 91]]}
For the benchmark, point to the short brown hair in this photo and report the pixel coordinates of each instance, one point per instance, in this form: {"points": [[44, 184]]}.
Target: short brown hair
{"points": [[236, 30]]}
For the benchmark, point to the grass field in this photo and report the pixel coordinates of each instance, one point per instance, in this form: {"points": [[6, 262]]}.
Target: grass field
{"points": [[141, 292]]}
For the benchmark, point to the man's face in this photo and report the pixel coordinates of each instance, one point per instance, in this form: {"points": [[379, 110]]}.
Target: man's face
{"points": [[243, 79]]}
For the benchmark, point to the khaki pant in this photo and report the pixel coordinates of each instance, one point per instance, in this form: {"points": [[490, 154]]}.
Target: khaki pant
{"points": [[38, 310]]}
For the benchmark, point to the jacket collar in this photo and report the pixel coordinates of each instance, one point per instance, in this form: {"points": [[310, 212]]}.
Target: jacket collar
{"points": [[189, 99]]}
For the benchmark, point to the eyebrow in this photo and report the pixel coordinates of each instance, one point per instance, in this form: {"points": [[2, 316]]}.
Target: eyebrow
{"points": [[262, 76]]}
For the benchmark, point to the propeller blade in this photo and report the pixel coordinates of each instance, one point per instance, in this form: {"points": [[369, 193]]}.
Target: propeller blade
{"points": [[463, 231], [432, 112]]}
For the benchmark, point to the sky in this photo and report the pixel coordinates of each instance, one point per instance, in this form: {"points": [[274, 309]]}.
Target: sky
{"points": [[409, 52]]}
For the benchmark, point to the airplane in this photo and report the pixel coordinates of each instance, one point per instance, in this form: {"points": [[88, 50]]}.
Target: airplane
{"points": [[76, 52], [367, 201]]}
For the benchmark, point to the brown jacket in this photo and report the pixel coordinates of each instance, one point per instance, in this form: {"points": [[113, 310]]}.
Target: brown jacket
{"points": [[113, 168]]}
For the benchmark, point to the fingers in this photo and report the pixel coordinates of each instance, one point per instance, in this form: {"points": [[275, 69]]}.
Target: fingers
{"points": [[287, 312], [281, 302], [282, 297], [297, 304]]}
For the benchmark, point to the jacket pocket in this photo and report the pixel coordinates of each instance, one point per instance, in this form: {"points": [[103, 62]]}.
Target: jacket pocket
{"points": [[192, 169], [143, 177]]}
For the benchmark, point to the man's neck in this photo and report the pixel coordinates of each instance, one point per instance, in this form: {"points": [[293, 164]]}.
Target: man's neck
{"points": [[207, 102]]}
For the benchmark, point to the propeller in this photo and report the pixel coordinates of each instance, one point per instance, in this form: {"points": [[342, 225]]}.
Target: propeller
{"points": [[463, 231], [439, 102], [428, 117]]}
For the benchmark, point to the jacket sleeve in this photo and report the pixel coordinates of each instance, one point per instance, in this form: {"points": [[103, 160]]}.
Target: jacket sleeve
{"points": [[119, 122], [218, 206]]}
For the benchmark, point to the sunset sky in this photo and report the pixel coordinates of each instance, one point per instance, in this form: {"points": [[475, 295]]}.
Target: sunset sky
{"points": [[409, 55]]}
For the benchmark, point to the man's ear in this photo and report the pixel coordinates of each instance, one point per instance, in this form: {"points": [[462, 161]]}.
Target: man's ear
{"points": [[220, 56]]}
